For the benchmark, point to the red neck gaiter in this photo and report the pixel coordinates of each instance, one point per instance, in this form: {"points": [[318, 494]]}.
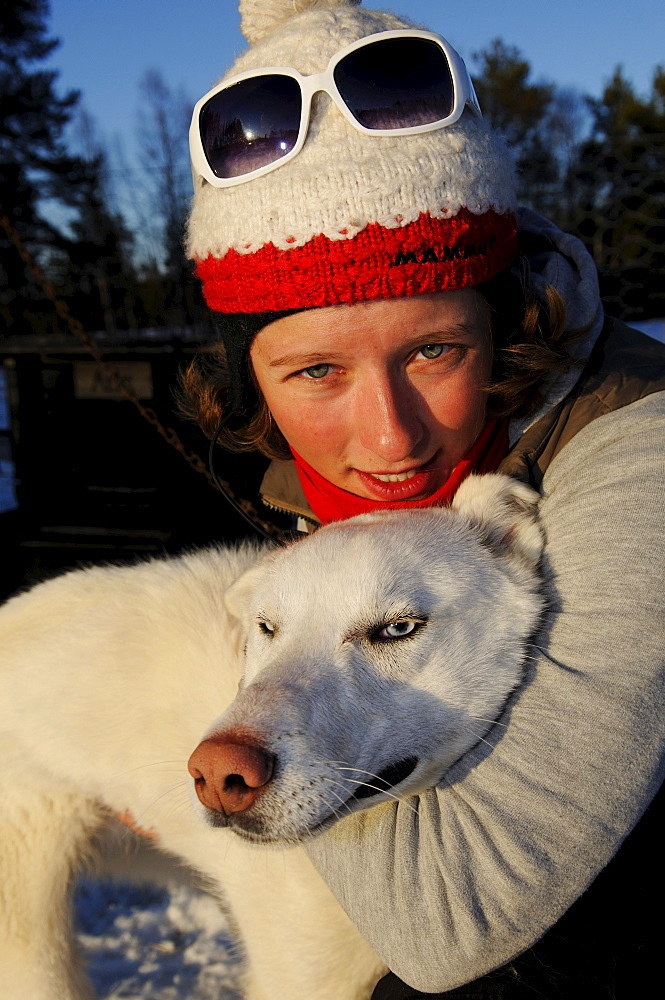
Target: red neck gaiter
{"points": [[330, 503]]}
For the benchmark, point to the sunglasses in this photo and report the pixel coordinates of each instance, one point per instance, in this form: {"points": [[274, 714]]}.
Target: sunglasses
{"points": [[390, 83]]}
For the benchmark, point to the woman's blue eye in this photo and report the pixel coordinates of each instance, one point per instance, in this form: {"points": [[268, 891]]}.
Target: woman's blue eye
{"points": [[432, 350], [317, 371]]}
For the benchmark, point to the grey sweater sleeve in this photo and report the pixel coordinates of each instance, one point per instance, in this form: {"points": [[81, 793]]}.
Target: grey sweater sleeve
{"points": [[497, 853]]}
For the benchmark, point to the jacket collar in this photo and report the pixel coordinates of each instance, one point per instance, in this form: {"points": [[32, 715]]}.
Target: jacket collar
{"points": [[281, 490]]}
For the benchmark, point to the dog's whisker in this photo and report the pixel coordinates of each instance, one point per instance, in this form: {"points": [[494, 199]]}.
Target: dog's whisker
{"points": [[335, 811], [367, 784], [372, 774], [333, 781], [155, 763], [180, 803], [492, 746], [401, 799], [137, 820], [338, 814], [479, 718], [531, 658], [359, 770], [344, 802]]}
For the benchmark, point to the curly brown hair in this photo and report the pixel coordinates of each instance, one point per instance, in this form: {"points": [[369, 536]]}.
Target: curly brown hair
{"points": [[529, 338]]}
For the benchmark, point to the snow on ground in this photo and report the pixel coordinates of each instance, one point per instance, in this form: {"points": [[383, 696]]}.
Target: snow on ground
{"points": [[144, 943]]}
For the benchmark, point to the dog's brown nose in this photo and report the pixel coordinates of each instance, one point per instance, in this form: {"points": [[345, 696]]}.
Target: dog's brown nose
{"points": [[230, 776]]}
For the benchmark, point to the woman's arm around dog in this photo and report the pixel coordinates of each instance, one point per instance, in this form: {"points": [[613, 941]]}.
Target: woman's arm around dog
{"points": [[498, 853]]}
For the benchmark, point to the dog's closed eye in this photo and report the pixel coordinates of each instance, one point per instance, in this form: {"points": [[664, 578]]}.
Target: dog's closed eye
{"points": [[266, 627]]}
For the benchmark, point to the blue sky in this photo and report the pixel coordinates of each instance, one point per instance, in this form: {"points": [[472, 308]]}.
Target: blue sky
{"points": [[107, 45]]}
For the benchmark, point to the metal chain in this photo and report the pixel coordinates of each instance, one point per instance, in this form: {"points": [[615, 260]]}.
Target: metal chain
{"points": [[76, 328]]}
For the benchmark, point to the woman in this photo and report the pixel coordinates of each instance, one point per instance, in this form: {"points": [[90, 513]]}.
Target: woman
{"points": [[389, 323]]}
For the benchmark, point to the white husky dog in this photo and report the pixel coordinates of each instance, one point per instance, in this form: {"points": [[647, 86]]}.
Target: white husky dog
{"points": [[274, 678]]}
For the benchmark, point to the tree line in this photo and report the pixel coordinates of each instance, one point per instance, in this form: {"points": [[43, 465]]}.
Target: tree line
{"points": [[112, 246]]}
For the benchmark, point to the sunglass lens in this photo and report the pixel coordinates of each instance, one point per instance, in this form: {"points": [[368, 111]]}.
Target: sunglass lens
{"points": [[396, 83], [250, 124]]}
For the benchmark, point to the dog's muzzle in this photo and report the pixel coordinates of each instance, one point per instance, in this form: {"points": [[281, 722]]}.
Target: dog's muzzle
{"points": [[231, 772]]}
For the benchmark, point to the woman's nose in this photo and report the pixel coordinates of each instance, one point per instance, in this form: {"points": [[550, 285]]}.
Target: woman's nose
{"points": [[388, 423]]}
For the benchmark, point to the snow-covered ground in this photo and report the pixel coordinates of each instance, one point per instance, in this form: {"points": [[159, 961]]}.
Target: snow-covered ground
{"points": [[149, 944]]}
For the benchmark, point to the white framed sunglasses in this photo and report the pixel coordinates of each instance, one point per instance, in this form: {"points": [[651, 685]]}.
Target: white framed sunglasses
{"points": [[399, 82]]}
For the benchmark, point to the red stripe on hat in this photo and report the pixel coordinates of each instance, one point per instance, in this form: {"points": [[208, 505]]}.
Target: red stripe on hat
{"points": [[429, 255]]}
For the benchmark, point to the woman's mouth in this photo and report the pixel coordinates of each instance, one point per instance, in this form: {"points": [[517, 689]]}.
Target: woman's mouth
{"points": [[399, 477], [414, 483]]}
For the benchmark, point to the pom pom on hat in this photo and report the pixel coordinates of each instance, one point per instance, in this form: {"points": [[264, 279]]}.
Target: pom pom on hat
{"points": [[352, 216], [259, 18]]}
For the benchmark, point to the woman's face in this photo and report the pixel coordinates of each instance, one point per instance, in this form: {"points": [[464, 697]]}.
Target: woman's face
{"points": [[382, 398]]}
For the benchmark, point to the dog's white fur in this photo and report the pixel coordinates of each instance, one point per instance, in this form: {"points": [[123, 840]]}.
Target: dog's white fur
{"points": [[110, 677]]}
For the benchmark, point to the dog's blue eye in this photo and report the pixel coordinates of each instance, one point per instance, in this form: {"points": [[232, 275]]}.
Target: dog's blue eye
{"points": [[398, 629]]}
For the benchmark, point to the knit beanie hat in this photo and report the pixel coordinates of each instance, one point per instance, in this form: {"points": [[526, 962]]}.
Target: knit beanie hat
{"points": [[352, 216]]}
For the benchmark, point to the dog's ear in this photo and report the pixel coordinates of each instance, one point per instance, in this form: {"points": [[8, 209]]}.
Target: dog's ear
{"points": [[504, 512], [238, 596]]}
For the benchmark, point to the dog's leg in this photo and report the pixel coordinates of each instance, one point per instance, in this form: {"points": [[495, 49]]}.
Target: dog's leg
{"points": [[45, 833], [299, 943]]}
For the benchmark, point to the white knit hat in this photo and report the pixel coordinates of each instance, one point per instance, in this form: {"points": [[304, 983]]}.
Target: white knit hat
{"points": [[352, 216]]}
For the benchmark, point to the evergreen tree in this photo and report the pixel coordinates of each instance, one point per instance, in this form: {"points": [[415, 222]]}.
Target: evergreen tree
{"points": [[98, 278], [540, 123], [34, 163], [164, 124], [618, 207], [514, 105], [95, 272]]}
